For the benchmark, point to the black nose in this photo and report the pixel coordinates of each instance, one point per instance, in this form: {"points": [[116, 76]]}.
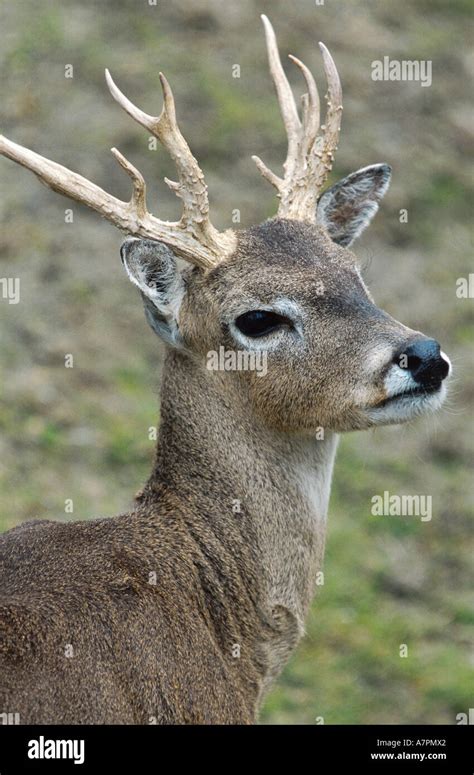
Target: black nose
{"points": [[423, 359]]}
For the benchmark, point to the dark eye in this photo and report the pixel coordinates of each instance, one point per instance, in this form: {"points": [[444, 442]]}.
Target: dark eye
{"points": [[259, 322]]}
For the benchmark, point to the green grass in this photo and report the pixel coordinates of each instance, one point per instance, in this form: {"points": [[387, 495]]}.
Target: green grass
{"points": [[348, 668]]}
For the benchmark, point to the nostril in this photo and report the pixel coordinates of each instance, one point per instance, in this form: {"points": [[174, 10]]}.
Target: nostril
{"points": [[408, 362]]}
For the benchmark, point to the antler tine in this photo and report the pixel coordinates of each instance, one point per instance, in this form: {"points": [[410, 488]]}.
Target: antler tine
{"points": [[266, 173], [138, 200], [309, 159], [68, 183], [333, 114], [311, 105], [193, 237], [192, 188], [286, 100]]}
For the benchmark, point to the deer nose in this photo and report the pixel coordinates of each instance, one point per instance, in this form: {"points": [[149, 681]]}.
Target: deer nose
{"points": [[424, 360]]}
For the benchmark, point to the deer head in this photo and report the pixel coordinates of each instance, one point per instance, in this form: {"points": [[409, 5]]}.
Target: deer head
{"points": [[289, 287]]}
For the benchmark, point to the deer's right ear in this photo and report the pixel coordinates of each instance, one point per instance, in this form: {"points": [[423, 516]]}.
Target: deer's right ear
{"points": [[347, 208], [152, 267]]}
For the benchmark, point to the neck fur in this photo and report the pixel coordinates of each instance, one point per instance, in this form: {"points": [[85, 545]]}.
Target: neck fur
{"points": [[262, 491]]}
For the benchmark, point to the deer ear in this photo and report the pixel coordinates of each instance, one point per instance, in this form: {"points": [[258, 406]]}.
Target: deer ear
{"points": [[152, 267], [347, 208]]}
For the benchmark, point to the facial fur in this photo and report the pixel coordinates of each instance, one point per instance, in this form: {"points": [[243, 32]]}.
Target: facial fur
{"points": [[333, 367]]}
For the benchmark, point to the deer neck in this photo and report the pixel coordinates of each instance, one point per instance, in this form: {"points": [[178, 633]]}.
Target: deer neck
{"points": [[260, 489]]}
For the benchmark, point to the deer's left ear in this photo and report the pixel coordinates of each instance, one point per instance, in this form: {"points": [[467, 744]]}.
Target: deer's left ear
{"points": [[347, 208], [152, 267]]}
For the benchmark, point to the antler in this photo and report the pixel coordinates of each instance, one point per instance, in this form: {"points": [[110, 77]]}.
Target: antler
{"points": [[310, 157], [193, 237]]}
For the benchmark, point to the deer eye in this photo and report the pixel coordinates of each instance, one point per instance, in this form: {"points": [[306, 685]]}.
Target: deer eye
{"points": [[259, 322]]}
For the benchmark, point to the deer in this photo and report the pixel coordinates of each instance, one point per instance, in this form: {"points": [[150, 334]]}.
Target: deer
{"points": [[185, 609]]}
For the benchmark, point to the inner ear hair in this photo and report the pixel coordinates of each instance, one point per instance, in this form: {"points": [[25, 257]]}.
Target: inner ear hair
{"points": [[346, 209], [149, 264], [153, 268]]}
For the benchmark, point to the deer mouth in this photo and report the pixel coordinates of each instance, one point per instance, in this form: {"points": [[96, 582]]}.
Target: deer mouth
{"points": [[408, 404], [421, 391]]}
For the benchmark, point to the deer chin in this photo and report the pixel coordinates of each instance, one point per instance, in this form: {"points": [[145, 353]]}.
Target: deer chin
{"points": [[407, 405]]}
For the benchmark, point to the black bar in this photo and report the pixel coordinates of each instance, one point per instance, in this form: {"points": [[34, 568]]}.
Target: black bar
{"points": [[446, 749]]}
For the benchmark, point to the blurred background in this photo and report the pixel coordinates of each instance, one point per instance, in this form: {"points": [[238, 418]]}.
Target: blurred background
{"points": [[81, 433]]}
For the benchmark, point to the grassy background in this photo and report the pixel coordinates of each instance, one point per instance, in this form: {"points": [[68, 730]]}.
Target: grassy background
{"points": [[82, 433]]}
